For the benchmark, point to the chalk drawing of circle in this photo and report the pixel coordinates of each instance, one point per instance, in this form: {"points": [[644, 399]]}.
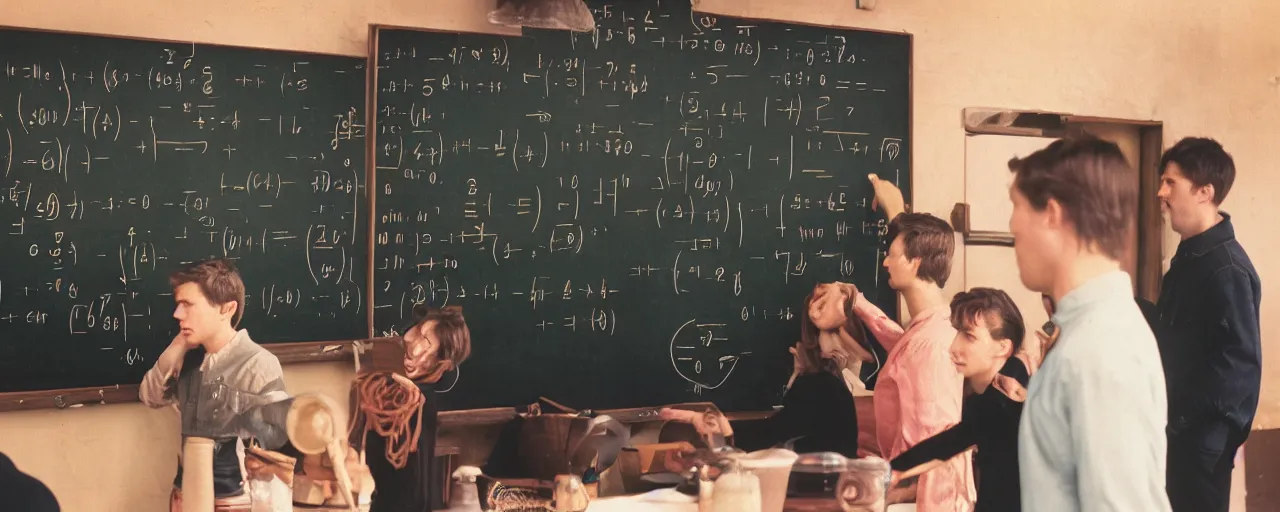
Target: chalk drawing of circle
{"points": [[457, 374], [697, 360]]}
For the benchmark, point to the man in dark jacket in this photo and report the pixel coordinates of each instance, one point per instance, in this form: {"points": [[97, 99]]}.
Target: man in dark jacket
{"points": [[1207, 328], [22, 491]]}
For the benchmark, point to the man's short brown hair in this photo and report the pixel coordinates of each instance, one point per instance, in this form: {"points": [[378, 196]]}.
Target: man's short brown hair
{"points": [[1003, 319], [219, 282], [929, 238], [1093, 182]]}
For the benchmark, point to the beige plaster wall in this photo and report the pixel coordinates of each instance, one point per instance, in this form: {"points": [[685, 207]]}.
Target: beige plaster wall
{"points": [[1211, 69]]}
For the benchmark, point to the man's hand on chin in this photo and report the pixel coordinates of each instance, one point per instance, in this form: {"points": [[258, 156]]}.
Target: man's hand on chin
{"points": [[186, 341]]}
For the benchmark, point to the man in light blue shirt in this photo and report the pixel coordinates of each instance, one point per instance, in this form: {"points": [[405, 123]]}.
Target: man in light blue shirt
{"points": [[1092, 435]]}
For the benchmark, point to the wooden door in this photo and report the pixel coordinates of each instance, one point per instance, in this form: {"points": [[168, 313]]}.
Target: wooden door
{"points": [[1125, 136]]}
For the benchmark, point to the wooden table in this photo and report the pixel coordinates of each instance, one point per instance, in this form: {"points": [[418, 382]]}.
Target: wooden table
{"points": [[630, 503], [615, 504]]}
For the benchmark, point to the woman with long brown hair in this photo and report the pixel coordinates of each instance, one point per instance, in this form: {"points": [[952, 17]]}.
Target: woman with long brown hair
{"points": [[834, 355], [835, 338]]}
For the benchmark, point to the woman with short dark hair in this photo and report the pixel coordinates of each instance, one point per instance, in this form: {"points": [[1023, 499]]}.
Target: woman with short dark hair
{"points": [[986, 352]]}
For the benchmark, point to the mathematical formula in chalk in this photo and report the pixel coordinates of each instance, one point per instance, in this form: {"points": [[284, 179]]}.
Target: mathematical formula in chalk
{"points": [[121, 161], [658, 195]]}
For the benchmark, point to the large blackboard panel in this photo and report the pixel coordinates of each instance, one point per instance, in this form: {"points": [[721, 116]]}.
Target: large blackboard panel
{"points": [[633, 217], [122, 159]]}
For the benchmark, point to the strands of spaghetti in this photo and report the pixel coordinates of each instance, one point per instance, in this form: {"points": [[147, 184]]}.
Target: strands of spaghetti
{"points": [[388, 406], [502, 498]]}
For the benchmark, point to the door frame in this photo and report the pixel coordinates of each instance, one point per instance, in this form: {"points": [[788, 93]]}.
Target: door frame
{"points": [[1056, 125]]}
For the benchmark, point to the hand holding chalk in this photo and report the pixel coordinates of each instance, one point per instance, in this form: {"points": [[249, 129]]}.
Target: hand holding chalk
{"points": [[887, 197]]}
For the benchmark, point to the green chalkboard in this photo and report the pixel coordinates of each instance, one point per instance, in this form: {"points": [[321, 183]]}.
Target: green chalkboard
{"points": [[122, 159], [633, 216]]}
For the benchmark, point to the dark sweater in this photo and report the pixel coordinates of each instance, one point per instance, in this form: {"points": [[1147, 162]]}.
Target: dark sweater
{"points": [[1210, 343], [818, 409], [413, 487], [990, 421], [20, 491]]}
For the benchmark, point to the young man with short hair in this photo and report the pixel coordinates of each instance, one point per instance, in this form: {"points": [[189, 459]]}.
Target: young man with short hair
{"points": [[919, 392], [208, 350], [1092, 430], [985, 351], [1207, 328]]}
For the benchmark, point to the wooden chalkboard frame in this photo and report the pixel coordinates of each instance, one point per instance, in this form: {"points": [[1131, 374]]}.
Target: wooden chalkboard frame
{"points": [[289, 352], [370, 153]]}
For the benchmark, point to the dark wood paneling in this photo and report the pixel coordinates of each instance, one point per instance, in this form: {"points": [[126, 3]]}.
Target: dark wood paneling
{"points": [[1262, 471]]}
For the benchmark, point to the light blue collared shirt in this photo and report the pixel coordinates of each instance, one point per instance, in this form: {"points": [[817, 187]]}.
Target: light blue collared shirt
{"points": [[1092, 435]]}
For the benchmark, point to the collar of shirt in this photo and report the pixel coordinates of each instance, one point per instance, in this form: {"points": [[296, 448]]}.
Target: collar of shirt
{"points": [[212, 359], [1106, 286], [1219, 234], [925, 325], [940, 312]]}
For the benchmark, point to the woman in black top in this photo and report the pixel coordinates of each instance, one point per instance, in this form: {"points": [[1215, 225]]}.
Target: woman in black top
{"points": [[396, 414], [990, 333], [817, 410]]}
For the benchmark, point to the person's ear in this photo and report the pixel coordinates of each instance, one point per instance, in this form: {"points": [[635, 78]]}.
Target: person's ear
{"points": [[1203, 194], [228, 309], [1006, 348], [914, 263], [1054, 215]]}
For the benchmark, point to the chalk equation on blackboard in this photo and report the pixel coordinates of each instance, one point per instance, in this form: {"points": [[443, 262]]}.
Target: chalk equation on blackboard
{"points": [[689, 165], [699, 356], [125, 159]]}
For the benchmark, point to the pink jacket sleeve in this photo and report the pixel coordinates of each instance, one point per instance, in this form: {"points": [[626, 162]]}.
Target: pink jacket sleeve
{"points": [[887, 331]]}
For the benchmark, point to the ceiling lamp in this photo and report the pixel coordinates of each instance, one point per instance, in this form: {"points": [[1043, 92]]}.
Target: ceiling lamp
{"points": [[548, 14]]}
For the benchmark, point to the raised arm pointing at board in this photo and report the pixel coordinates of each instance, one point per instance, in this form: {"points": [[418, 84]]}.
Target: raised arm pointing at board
{"points": [[210, 353], [919, 391], [888, 197]]}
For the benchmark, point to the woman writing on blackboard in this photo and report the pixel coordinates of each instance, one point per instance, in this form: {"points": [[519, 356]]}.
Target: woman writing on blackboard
{"points": [[834, 356], [395, 423]]}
